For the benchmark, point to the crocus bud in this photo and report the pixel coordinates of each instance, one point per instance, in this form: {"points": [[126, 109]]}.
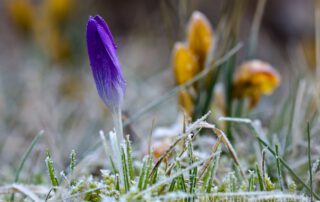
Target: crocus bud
{"points": [[184, 62], [104, 63], [254, 79], [199, 35]]}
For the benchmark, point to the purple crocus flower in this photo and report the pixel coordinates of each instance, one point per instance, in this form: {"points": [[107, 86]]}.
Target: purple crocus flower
{"points": [[104, 63]]}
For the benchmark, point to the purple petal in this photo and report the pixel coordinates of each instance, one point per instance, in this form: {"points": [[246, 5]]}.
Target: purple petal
{"points": [[104, 25], [104, 63]]}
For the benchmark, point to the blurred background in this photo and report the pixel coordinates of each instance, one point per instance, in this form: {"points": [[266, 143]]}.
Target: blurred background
{"points": [[46, 82]]}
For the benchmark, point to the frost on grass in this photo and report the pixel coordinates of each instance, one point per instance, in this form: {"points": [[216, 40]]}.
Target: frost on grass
{"points": [[179, 174]]}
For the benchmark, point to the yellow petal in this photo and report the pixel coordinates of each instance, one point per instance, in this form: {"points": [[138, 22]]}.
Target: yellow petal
{"points": [[185, 65], [255, 78], [22, 13], [58, 10], [199, 34]]}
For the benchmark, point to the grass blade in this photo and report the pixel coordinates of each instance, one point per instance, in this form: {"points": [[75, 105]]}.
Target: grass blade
{"points": [[279, 168], [259, 178], [25, 156], [181, 182], [142, 174], [129, 157], [310, 163], [125, 170]]}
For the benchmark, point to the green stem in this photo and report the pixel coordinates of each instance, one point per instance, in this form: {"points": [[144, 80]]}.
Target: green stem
{"points": [[116, 141], [117, 121]]}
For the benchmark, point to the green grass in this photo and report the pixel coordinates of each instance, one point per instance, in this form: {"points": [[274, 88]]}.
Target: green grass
{"points": [[146, 180]]}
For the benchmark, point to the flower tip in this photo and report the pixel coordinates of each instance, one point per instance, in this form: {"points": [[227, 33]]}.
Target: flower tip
{"points": [[199, 34], [91, 21], [98, 17], [91, 18], [198, 15], [178, 45]]}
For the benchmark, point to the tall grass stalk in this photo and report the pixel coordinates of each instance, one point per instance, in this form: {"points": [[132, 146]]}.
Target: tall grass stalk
{"points": [[148, 170], [72, 161], [25, 156], [181, 181], [125, 169], [206, 177], [310, 162], [254, 32], [279, 168], [51, 171], [252, 182], [129, 157], [116, 155], [193, 172], [142, 173], [260, 179]]}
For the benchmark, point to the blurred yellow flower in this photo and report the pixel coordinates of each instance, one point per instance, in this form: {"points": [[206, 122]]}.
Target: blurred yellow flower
{"points": [[309, 49], [57, 11], [71, 87], [52, 41], [22, 13], [199, 35], [60, 47], [184, 62], [254, 79], [45, 19], [186, 102]]}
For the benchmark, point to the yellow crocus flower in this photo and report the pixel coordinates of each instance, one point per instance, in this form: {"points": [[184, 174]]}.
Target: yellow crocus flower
{"points": [[254, 79], [22, 13], [199, 34], [184, 62], [57, 11]]}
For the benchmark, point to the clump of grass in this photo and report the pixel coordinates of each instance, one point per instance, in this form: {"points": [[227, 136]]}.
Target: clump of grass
{"points": [[181, 175]]}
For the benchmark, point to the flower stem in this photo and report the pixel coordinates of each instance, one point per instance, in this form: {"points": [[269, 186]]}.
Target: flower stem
{"points": [[116, 144], [117, 121]]}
